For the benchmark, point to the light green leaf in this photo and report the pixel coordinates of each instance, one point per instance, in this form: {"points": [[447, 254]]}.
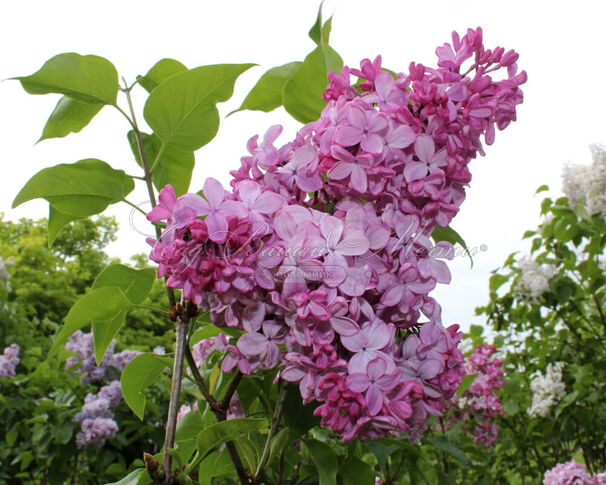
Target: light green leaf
{"points": [[90, 79], [266, 95], [69, 116], [204, 333], [103, 334], [215, 466], [319, 33], [160, 72], [135, 283], [138, 375], [131, 479], [302, 96], [79, 189], [182, 110], [174, 166], [56, 221], [466, 383], [453, 237], [99, 305], [324, 459], [224, 431]]}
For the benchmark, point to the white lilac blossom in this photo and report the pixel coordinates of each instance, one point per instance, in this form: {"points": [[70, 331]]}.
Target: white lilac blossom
{"points": [[534, 279], [9, 360], [547, 390], [587, 182]]}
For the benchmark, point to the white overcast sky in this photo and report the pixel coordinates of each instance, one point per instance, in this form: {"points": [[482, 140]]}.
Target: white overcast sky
{"points": [[561, 46]]}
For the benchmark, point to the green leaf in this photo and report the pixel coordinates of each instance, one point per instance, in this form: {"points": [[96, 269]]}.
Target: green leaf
{"points": [[319, 33], [297, 417], [76, 190], [222, 432], [131, 479], [266, 95], [103, 334], [496, 281], [476, 330], [444, 444], [182, 110], [135, 283], [542, 188], [138, 375], [99, 305], [204, 333], [466, 383], [57, 220], [278, 445], [302, 96], [215, 466], [453, 237], [174, 166], [69, 116], [90, 79], [324, 459], [160, 72], [353, 470]]}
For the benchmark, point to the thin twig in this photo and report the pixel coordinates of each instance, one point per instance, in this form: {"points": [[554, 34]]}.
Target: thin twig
{"points": [[275, 424], [212, 402], [231, 388], [175, 391]]}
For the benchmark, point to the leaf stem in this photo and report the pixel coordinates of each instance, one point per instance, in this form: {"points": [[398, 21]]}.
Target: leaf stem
{"points": [[212, 402], [134, 206]]}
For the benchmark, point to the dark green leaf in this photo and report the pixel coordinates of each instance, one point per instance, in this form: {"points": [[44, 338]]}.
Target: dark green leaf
{"points": [[69, 116], [297, 417], [302, 96], [266, 95], [182, 110], [444, 444], [90, 79], [138, 375], [161, 71], [324, 459], [353, 470]]}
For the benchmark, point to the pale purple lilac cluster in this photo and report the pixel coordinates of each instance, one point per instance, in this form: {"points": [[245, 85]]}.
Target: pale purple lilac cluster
{"points": [[96, 418], [479, 404], [322, 252], [572, 473], [9, 360], [84, 362]]}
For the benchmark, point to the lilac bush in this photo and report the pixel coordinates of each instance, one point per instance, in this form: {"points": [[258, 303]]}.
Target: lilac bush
{"points": [[321, 253]]}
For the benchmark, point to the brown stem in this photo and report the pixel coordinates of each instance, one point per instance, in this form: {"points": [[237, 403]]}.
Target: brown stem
{"points": [[212, 402], [175, 391], [231, 388]]}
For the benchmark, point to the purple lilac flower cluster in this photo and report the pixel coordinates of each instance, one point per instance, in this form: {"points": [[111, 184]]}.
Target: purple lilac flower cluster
{"points": [[96, 419], [9, 360], [84, 362], [479, 403], [572, 473], [322, 251]]}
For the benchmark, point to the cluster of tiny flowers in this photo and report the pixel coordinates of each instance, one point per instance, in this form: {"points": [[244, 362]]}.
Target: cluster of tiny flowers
{"points": [[547, 390], [96, 419], [587, 182], [572, 473], [534, 279], [479, 403], [9, 360], [84, 362], [321, 252]]}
